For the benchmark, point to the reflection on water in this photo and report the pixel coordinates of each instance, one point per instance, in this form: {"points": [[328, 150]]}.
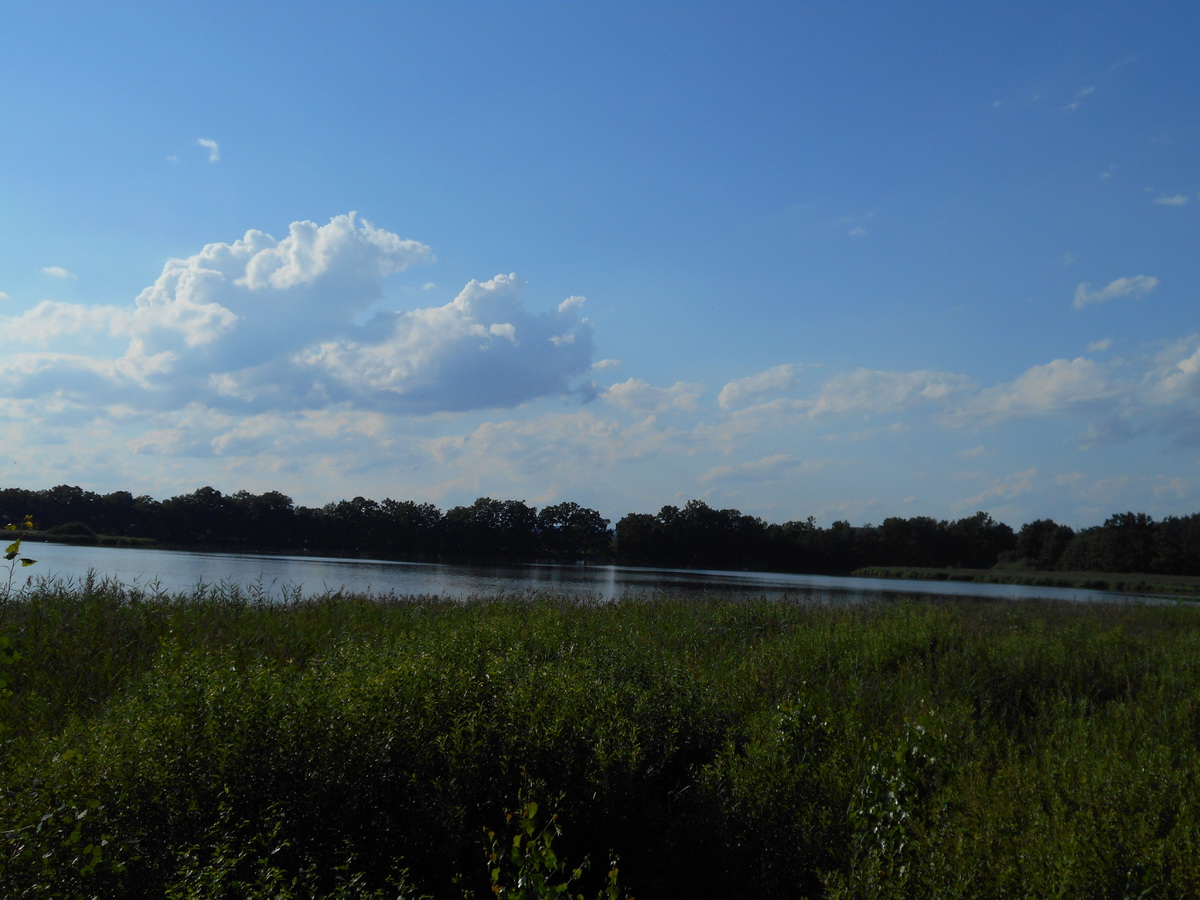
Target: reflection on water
{"points": [[279, 577]]}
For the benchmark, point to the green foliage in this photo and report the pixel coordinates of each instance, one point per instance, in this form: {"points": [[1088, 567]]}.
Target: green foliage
{"points": [[523, 865], [691, 535], [240, 860], [218, 745], [12, 553], [889, 802]]}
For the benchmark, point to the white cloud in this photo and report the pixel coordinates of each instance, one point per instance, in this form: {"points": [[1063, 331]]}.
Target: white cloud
{"points": [[1175, 373], [1100, 346], [593, 452], [1054, 386], [868, 391], [857, 231], [51, 320], [773, 380], [481, 350], [57, 272], [636, 396], [4, 298], [1137, 286], [262, 324], [1177, 200], [214, 151]]}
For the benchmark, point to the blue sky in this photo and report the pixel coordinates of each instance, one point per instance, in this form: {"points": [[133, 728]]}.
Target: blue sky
{"points": [[843, 260]]}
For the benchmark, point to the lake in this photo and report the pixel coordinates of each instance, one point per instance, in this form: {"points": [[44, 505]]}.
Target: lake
{"points": [[280, 577]]}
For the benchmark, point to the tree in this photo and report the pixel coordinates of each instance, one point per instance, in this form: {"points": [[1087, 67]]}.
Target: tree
{"points": [[200, 516], [491, 528], [636, 537], [979, 540], [411, 527], [264, 520], [570, 530], [1041, 543]]}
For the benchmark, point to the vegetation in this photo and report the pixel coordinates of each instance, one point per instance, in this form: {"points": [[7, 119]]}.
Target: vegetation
{"points": [[219, 745], [1141, 585], [694, 535]]}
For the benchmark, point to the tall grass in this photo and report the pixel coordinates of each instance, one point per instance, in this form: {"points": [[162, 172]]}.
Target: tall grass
{"points": [[219, 745]]}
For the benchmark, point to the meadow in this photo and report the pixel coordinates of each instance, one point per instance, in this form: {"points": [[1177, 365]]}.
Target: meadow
{"points": [[218, 745]]}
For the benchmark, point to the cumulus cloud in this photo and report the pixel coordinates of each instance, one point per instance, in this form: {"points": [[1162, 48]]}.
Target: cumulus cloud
{"points": [[214, 151], [51, 320], [1137, 286], [57, 272], [4, 297], [1052, 387], [1175, 373], [635, 395], [773, 380], [481, 350], [869, 391], [293, 324], [528, 455], [1176, 200]]}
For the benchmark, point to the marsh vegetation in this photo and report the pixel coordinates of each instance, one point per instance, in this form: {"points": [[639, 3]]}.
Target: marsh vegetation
{"points": [[218, 745]]}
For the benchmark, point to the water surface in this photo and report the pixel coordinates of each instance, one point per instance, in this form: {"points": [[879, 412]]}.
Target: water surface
{"points": [[280, 577]]}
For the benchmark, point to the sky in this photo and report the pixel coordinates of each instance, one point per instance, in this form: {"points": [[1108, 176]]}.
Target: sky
{"points": [[841, 260]]}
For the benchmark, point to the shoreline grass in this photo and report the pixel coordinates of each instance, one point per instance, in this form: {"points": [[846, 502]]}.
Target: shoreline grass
{"points": [[219, 745], [1172, 586]]}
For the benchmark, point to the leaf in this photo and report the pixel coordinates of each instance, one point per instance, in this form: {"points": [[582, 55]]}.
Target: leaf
{"points": [[14, 547], [27, 562], [11, 554]]}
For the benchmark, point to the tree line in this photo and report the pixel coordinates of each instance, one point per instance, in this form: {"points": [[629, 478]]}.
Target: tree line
{"points": [[694, 535]]}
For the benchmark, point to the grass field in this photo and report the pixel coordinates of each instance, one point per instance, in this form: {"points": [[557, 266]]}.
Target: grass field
{"points": [[215, 746]]}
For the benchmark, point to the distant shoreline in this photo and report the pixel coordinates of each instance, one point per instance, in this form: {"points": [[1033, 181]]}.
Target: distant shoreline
{"points": [[1118, 582]]}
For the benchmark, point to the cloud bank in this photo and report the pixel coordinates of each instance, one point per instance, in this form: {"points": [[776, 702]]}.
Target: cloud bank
{"points": [[291, 364], [294, 324]]}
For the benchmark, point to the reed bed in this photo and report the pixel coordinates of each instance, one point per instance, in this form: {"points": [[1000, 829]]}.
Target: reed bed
{"points": [[218, 744]]}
